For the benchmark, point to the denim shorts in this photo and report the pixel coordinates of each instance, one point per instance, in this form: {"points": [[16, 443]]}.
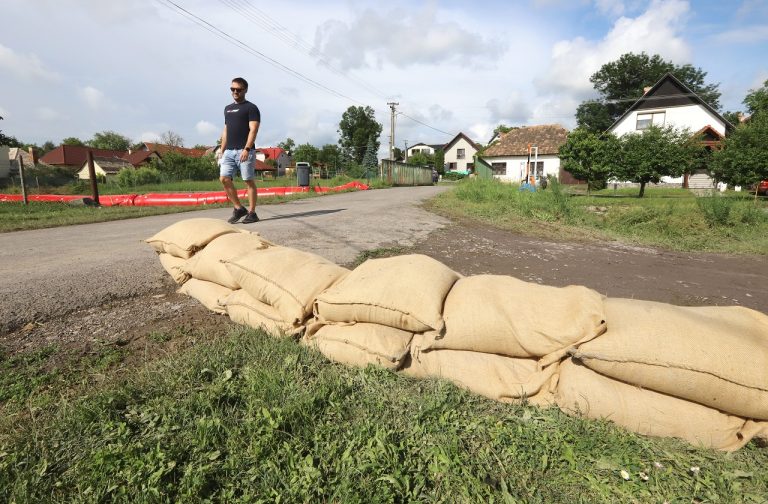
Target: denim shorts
{"points": [[230, 162]]}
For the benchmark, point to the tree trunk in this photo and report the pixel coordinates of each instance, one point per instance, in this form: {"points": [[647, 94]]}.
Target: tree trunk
{"points": [[642, 190]]}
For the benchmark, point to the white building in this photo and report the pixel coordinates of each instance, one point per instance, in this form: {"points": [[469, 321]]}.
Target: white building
{"points": [[460, 154], [669, 102], [526, 151]]}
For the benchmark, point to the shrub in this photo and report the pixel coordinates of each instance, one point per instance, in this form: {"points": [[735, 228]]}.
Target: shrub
{"points": [[453, 176], [174, 166], [716, 210], [142, 176]]}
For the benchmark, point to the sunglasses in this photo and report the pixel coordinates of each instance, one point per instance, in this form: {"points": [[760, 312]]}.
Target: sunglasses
{"points": [[237, 89]]}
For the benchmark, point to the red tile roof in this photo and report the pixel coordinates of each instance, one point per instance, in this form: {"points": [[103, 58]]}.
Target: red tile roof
{"points": [[162, 149], [547, 137], [76, 155], [139, 157], [271, 152]]}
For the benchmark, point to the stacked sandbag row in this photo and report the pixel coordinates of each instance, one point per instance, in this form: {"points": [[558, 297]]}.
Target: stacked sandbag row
{"points": [[493, 335], [697, 373], [700, 374], [241, 274]]}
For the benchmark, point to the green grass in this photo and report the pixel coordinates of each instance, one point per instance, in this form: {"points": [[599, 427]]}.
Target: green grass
{"points": [[247, 418], [15, 216], [669, 218]]}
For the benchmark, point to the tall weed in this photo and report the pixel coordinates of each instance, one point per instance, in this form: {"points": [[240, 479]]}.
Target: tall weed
{"points": [[716, 209]]}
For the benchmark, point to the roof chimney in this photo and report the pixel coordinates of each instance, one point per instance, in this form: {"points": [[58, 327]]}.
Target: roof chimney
{"points": [[33, 155], [646, 89]]}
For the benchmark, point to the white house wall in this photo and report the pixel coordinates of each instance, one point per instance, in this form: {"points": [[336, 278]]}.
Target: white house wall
{"points": [[452, 157], [426, 149], [693, 117], [515, 171]]}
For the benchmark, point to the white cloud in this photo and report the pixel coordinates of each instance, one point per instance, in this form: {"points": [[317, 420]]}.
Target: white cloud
{"points": [[610, 7], [206, 128], [402, 39], [92, 97], [48, 114], [757, 82], [656, 31], [149, 136], [25, 66], [744, 35], [512, 110]]}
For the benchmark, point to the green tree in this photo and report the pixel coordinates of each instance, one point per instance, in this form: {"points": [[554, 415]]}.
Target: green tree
{"points": [[621, 82], [439, 161], [757, 99], [589, 156], [8, 140], [109, 140], [656, 152], [72, 141], [357, 126], [371, 158], [288, 145], [47, 146], [176, 166], [330, 155], [307, 153], [420, 159], [743, 160], [399, 154], [732, 117]]}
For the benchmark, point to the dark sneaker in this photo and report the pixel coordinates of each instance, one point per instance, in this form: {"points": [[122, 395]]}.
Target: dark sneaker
{"points": [[237, 214], [251, 218]]}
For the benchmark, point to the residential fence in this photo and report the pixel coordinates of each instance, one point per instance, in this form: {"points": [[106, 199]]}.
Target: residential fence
{"points": [[402, 174]]}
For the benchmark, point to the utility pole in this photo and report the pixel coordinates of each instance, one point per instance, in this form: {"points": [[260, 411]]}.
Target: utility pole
{"points": [[405, 155], [392, 106]]}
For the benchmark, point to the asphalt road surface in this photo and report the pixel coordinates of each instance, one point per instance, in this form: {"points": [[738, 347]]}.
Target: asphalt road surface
{"points": [[48, 273]]}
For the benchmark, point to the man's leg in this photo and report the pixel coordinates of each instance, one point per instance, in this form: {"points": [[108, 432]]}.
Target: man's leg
{"points": [[229, 188], [251, 195], [226, 173]]}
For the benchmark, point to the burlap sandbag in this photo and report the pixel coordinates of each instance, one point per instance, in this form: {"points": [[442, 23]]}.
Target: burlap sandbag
{"points": [[360, 344], [175, 267], [211, 295], [285, 278], [716, 356], [243, 309], [207, 264], [504, 315], [186, 237], [406, 292], [498, 377], [581, 391]]}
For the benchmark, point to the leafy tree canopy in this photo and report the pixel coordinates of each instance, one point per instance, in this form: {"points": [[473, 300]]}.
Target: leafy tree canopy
{"points": [[109, 140], [589, 156], [288, 145], [8, 140], [656, 152], [330, 154], [72, 141], [371, 158], [357, 126], [743, 160], [757, 99], [307, 153], [622, 81]]}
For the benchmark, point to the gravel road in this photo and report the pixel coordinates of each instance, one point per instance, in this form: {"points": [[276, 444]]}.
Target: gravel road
{"points": [[49, 273]]}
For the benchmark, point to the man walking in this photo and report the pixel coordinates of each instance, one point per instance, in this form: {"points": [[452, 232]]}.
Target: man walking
{"points": [[241, 124]]}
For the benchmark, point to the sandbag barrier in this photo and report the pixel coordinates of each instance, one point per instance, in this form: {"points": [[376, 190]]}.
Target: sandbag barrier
{"points": [[695, 373], [180, 199]]}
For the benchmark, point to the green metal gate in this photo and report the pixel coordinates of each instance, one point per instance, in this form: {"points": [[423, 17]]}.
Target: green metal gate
{"points": [[401, 174]]}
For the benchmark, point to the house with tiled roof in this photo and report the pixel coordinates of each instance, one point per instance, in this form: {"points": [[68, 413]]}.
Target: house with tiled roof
{"points": [[530, 150], [459, 154], [141, 157], [282, 159], [164, 149], [670, 102], [72, 157]]}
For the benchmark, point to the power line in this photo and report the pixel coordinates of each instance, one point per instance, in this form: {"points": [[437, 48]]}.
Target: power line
{"points": [[229, 38]]}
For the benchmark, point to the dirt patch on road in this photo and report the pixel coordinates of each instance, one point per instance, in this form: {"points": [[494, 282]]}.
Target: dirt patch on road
{"points": [[165, 321]]}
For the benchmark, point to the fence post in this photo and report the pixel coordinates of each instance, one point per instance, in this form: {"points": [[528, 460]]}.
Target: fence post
{"points": [[23, 185], [92, 176]]}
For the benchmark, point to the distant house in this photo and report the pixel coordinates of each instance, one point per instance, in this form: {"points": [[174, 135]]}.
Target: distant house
{"points": [[141, 158], [532, 150], [104, 167], [72, 157], [282, 159], [423, 149], [669, 102], [17, 155], [459, 154], [164, 149]]}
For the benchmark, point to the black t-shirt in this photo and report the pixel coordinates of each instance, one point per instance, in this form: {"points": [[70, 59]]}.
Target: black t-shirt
{"points": [[236, 118]]}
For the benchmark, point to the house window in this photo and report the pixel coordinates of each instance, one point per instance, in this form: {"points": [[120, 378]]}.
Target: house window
{"points": [[644, 121], [499, 168], [460, 154], [451, 166]]}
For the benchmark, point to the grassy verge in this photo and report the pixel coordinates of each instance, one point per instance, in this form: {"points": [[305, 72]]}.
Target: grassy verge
{"points": [[37, 215], [247, 418], [668, 218]]}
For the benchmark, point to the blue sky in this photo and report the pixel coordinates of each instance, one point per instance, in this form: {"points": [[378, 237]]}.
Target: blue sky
{"points": [[139, 67]]}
